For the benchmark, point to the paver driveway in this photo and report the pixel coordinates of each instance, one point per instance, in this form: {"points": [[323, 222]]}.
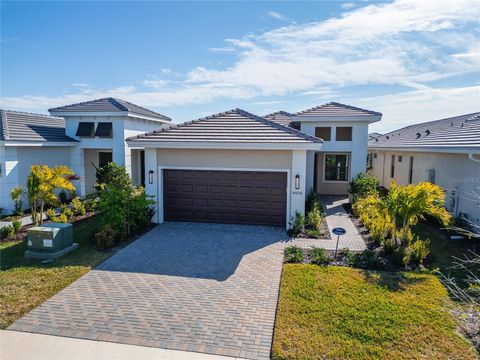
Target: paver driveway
{"points": [[198, 287]]}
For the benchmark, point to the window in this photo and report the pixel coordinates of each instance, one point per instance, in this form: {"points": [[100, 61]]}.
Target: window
{"points": [[104, 130], [369, 160], [324, 133], [104, 158], [344, 133], [375, 155], [85, 129], [336, 167], [410, 170], [399, 158], [431, 175], [392, 167]]}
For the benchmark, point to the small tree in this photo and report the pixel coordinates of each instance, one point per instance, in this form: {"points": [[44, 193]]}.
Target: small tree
{"points": [[49, 179], [33, 189], [16, 194]]}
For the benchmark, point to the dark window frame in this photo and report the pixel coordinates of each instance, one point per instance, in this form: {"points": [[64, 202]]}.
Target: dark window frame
{"points": [[104, 130], [410, 170], [340, 174], [345, 136], [85, 129], [318, 134], [100, 154], [392, 167]]}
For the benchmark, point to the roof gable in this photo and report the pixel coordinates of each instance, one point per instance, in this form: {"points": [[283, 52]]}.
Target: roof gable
{"points": [[334, 109], [234, 126], [22, 126], [108, 105], [280, 117], [456, 132]]}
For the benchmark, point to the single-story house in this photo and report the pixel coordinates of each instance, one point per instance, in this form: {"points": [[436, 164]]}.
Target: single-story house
{"points": [[233, 167], [445, 152]]}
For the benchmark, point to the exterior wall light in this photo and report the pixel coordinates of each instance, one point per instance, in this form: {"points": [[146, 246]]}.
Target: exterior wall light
{"points": [[297, 182], [150, 177]]}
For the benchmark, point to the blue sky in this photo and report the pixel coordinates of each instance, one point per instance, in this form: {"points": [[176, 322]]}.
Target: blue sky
{"points": [[411, 60]]}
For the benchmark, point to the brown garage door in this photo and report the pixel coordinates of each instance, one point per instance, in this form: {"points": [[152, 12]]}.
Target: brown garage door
{"points": [[237, 197]]}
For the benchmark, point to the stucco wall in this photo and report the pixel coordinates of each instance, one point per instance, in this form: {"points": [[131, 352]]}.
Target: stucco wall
{"points": [[225, 158], [453, 172], [16, 163]]}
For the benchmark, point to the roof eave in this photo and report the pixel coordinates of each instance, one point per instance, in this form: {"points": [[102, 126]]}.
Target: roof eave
{"points": [[426, 148], [360, 118], [244, 145], [109, 113], [36, 143]]}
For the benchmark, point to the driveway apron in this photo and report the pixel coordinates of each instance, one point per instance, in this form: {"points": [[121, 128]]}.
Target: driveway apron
{"points": [[208, 288]]}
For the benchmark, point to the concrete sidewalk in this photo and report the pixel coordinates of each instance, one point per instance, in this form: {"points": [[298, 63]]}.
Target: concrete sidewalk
{"points": [[15, 345]]}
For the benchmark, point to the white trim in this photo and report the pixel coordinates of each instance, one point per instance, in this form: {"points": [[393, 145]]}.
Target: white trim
{"points": [[349, 167], [209, 168], [38, 143], [108, 113], [329, 118], [224, 145]]}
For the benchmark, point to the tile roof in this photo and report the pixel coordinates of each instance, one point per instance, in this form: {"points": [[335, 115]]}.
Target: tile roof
{"points": [[373, 135], [280, 117], [336, 109], [456, 132], [109, 105], [22, 126], [234, 126]]}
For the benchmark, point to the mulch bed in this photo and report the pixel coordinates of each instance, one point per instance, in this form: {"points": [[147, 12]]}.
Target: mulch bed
{"points": [[22, 235]]}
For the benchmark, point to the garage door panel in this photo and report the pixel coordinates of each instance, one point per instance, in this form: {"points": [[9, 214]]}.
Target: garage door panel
{"points": [[245, 197]]}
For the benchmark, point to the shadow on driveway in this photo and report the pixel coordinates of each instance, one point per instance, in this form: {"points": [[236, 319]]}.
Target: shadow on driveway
{"points": [[193, 250]]}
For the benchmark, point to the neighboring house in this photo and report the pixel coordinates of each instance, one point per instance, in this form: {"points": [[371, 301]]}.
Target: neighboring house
{"points": [[82, 136], [231, 167], [445, 152], [373, 135]]}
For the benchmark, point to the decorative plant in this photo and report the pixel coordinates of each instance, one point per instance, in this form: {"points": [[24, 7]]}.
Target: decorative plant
{"points": [[7, 231], [47, 180], [17, 225], [33, 189], [314, 219], [293, 254], [78, 206], [318, 256], [297, 223], [363, 185], [16, 194]]}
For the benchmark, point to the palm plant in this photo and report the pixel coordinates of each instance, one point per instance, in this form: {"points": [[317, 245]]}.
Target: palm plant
{"points": [[33, 184], [47, 180]]}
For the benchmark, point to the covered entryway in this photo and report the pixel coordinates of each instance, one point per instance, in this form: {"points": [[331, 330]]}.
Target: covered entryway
{"points": [[236, 197]]}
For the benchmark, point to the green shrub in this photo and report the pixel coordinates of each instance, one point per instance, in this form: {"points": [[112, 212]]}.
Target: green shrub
{"points": [[367, 259], [318, 256], [314, 234], [314, 219], [297, 223], [91, 204], [105, 238], [16, 194], [121, 205], [64, 216], [415, 252], [78, 206], [17, 225], [293, 254], [363, 185], [112, 174], [7, 231], [347, 255], [313, 201], [51, 213]]}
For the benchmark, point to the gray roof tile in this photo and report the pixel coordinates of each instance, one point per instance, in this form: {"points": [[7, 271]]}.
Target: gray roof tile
{"points": [[336, 109], [234, 126], [109, 105], [280, 117], [22, 126], [456, 132]]}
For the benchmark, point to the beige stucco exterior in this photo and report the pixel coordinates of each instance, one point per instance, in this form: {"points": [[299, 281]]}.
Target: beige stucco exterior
{"points": [[254, 159], [456, 173]]}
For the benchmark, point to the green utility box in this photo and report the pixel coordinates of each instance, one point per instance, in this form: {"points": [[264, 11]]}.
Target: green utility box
{"points": [[49, 241]]}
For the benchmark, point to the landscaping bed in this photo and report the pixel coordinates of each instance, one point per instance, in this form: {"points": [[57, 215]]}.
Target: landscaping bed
{"points": [[338, 312]]}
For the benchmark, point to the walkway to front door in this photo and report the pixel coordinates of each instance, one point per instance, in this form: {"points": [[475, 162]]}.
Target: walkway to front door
{"points": [[199, 287]]}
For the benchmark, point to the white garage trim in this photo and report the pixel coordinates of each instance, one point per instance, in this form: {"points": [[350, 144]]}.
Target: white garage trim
{"points": [[160, 184]]}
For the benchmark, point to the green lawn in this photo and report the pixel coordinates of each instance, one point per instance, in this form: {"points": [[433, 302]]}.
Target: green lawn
{"points": [[338, 313], [26, 284]]}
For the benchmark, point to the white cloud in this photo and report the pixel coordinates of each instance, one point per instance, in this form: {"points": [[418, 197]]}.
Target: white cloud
{"points": [[417, 106], [347, 6], [277, 15], [406, 42]]}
